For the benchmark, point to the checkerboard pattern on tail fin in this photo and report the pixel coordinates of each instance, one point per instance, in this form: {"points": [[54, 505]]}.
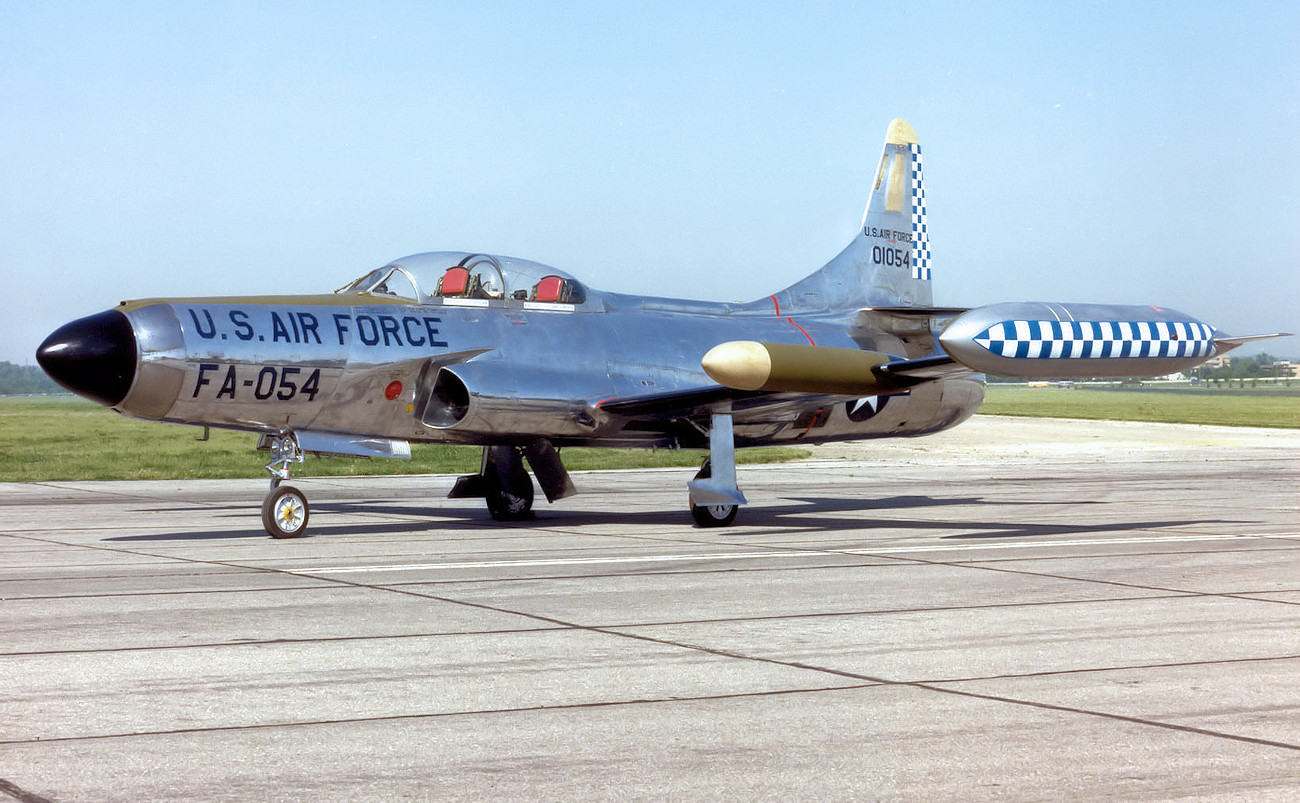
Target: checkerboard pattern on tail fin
{"points": [[920, 232]]}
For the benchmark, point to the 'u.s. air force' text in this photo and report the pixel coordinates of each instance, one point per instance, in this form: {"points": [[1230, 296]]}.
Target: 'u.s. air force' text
{"points": [[302, 327]]}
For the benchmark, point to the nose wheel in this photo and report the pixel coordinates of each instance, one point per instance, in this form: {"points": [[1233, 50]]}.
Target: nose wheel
{"points": [[284, 510]]}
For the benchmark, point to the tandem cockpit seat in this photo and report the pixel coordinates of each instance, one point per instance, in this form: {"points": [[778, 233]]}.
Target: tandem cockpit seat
{"points": [[557, 290], [476, 276], [454, 283]]}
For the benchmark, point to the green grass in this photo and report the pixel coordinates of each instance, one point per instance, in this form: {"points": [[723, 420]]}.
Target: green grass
{"points": [[1239, 408], [64, 438], [57, 438]]}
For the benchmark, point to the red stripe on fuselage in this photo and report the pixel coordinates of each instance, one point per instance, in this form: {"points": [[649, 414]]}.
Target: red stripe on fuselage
{"points": [[801, 329], [816, 415]]}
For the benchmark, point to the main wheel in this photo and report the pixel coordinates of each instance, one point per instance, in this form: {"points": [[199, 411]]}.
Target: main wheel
{"points": [[507, 506], [509, 489], [284, 512], [711, 515]]}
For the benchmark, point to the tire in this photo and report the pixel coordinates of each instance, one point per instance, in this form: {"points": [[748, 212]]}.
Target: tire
{"points": [[509, 491], [285, 512], [507, 506], [713, 515]]}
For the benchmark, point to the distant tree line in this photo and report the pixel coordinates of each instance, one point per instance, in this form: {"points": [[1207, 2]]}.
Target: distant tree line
{"points": [[20, 380], [1261, 366]]}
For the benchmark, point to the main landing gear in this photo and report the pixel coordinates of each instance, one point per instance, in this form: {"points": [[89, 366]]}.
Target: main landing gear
{"points": [[505, 484], [507, 487], [715, 499], [284, 510], [711, 515]]}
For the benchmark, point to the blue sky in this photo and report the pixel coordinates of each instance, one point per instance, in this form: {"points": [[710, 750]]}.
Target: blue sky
{"points": [[1131, 153]]}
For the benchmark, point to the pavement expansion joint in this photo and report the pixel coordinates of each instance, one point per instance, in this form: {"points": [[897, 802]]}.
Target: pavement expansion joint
{"points": [[1054, 619]]}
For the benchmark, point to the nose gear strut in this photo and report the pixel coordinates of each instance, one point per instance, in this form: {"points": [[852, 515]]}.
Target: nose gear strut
{"points": [[284, 452], [284, 510]]}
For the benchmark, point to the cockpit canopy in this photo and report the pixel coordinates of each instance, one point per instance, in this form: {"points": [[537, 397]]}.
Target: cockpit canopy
{"points": [[386, 281], [456, 275]]}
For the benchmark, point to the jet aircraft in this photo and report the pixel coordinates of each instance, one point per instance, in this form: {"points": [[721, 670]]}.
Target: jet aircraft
{"points": [[523, 359]]}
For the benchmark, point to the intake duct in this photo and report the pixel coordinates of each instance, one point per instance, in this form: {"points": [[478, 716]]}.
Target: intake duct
{"points": [[491, 397], [448, 401]]}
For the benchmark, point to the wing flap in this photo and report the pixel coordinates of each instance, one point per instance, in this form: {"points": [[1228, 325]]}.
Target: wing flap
{"points": [[924, 369], [675, 403]]}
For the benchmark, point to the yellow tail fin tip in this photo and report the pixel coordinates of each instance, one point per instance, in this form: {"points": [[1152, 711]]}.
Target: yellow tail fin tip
{"points": [[900, 133]]}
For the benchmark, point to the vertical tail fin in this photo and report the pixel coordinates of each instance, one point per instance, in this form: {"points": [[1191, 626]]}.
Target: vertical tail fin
{"points": [[888, 263]]}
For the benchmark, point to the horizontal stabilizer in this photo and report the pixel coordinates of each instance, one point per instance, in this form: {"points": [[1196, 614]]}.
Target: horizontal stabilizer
{"points": [[1222, 344]]}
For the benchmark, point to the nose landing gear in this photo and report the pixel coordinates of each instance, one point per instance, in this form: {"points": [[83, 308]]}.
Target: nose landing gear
{"points": [[284, 510]]}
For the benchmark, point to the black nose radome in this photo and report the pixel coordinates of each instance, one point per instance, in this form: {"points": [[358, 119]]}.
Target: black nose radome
{"points": [[92, 357]]}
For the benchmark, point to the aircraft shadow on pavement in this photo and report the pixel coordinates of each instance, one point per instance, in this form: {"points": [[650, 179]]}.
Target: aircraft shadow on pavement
{"points": [[1026, 530], [431, 519], [812, 514], [824, 515]]}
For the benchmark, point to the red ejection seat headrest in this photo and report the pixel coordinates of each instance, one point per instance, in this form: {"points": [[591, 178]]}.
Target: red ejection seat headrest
{"points": [[453, 282], [549, 288]]}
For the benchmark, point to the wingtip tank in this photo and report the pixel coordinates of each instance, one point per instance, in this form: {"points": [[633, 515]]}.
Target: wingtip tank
{"points": [[782, 367], [1077, 341]]}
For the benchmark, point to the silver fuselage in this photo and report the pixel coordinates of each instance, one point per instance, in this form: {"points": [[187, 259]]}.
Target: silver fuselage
{"points": [[483, 371]]}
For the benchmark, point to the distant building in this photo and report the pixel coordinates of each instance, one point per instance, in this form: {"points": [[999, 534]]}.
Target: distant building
{"points": [[1287, 368]]}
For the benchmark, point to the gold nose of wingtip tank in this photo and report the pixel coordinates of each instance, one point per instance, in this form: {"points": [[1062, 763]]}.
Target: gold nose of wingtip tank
{"points": [[783, 367], [740, 364]]}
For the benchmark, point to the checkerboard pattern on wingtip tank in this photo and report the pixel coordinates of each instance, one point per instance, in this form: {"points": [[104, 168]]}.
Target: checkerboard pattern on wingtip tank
{"points": [[1097, 339], [920, 233]]}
